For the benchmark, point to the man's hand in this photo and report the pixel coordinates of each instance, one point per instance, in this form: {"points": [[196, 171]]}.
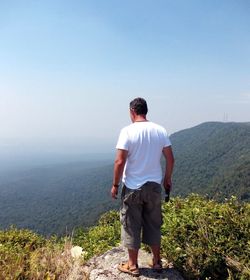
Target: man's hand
{"points": [[169, 157], [114, 192], [167, 183]]}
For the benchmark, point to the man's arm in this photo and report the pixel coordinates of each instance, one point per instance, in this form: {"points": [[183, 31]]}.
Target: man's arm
{"points": [[120, 160], [169, 157]]}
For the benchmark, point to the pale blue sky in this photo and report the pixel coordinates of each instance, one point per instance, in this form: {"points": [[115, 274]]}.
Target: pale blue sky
{"points": [[68, 69]]}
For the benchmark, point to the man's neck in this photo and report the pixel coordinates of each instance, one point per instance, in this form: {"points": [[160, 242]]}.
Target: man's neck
{"points": [[140, 118]]}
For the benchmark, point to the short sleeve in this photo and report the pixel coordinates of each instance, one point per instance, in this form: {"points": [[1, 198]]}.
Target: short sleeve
{"points": [[123, 140], [166, 140]]}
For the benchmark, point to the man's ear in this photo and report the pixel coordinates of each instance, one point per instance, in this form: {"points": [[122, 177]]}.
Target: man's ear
{"points": [[132, 115]]}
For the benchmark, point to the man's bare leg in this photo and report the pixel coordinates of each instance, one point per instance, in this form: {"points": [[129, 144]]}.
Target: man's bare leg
{"points": [[156, 253], [133, 257]]}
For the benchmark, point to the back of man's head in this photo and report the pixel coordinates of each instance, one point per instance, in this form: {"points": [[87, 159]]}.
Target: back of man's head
{"points": [[139, 106]]}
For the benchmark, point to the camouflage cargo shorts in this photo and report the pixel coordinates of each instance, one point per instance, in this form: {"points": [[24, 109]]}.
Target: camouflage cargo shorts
{"points": [[140, 215]]}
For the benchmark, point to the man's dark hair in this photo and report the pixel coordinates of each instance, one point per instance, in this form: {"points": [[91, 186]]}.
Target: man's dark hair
{"points": [[139, 106]]}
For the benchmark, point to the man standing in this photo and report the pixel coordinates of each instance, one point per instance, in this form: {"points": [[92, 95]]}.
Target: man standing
{"points": [[139, 149]]}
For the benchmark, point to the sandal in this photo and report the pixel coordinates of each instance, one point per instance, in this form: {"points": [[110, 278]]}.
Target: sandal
{"points": [[157, 267], [124, 267]]}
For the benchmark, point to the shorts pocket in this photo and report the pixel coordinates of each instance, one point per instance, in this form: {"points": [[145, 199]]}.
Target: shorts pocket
{"points": [[157, 189], [123, 217]]}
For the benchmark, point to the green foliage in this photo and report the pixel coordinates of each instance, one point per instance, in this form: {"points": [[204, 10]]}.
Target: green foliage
{"points": [[55, 199], [98, 239], [213, 159], [24, 239], [15, 247], [26, 255], [204, 238]]}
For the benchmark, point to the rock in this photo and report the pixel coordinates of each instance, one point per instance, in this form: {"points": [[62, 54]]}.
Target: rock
{"points": [[104, 267], [76, 252], [78, 272]]}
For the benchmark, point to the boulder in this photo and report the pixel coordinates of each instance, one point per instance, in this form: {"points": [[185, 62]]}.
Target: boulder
{"points": [[104, 267]]}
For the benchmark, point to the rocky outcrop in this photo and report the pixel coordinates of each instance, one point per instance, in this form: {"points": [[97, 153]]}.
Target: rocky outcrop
{"points": [[104, 267]]}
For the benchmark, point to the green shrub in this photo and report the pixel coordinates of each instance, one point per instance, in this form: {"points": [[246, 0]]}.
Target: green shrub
{"points": [[26, 255], [98, 239], [51, 262], [204, 238]]}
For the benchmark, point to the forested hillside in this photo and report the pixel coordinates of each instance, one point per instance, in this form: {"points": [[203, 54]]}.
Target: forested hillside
{"points": [[213, 158], [56, 198]]}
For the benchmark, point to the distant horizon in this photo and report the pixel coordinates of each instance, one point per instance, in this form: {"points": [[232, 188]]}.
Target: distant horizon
{"points": [[47, 151], [92, 144]]}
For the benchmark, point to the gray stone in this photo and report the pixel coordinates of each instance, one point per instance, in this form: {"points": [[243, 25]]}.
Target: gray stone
{"points": [[104, 267]]}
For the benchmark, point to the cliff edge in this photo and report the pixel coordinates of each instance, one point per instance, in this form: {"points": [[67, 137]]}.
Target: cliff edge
{"points": [[104, 267]]}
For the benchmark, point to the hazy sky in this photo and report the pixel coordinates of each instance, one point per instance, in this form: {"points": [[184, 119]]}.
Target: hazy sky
{"points": [[68, 69]]}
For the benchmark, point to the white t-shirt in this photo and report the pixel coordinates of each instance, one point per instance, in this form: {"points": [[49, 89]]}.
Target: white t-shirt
{"points": [[144, 142]]}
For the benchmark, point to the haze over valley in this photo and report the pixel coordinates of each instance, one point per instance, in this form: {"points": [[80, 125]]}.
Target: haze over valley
{"points": [[58, 194]]}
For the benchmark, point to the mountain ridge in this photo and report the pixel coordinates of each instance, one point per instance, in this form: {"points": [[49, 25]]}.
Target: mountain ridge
{"points": [[212, 159], [207, 155]]}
